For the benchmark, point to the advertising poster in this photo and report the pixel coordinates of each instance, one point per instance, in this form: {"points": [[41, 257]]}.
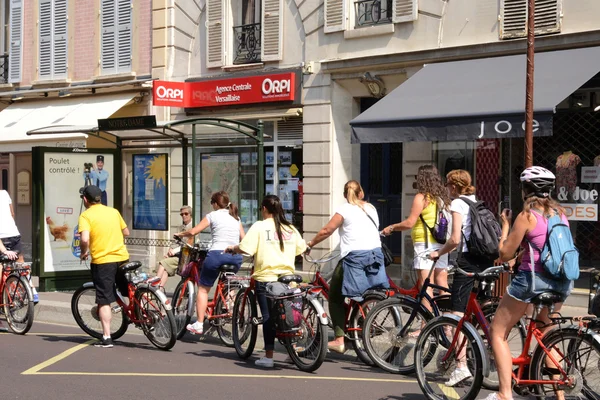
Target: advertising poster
{"points": [[219, 172], [150, 205], [64, 175]]}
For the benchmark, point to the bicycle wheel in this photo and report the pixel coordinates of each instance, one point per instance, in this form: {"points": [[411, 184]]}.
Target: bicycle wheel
{"points": [[183, 306], [578, 354], [85, 313], [18, 304], [224, 325], [388, 350], [157, 323], [309, 348], [245, 323], [355, 324], [436, 368], [516, 340]]}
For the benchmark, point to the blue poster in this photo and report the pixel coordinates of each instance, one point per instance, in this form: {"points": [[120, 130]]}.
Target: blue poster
{"points": [[150, 209]]}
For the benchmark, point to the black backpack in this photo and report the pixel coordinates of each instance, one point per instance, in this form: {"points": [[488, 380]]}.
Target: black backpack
{"points": [[485, 231]]}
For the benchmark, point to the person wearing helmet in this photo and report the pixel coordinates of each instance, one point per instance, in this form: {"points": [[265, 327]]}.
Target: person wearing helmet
{"points": [[530, 226]]}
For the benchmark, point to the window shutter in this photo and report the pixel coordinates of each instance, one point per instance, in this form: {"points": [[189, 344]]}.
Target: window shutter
{"points": [[271, 29], [16, 33], [124, 29], [45, 30], [513, 16], [214, 33], [404, 10], [335, 15], [108, 45], [59, 57]]}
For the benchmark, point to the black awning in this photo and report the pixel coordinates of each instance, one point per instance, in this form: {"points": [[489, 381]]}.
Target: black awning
{"points": [[475, 99]]}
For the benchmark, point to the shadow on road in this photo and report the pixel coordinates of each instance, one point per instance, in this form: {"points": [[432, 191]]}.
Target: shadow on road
{"points": [[404, 396]]}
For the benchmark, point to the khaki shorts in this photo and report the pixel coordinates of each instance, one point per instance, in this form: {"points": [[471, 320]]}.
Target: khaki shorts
{"points": [[170, 265]]}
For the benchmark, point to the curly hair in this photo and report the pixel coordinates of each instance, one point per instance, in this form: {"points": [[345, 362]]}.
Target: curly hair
{"points": [[461, 179], [429, 184]]}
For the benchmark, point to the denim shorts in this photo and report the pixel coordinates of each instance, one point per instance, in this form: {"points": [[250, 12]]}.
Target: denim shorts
{"points": [[521, 287], [214, 259]]}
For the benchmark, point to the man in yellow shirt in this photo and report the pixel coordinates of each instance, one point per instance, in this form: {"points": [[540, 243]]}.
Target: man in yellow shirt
{"points": [[102, 231]]}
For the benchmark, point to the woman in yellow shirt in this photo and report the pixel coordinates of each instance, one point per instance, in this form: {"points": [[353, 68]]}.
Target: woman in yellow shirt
{"points": [[431, 196], [274, 242]]}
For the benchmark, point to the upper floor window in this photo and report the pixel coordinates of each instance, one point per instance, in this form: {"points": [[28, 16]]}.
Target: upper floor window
{"points": [[52, 39], [116, 38], [367, 13], [513, 17], [253, 35]]}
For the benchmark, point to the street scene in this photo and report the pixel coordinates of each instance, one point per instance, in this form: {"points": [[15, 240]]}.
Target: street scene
{"points": [[259, 198]]}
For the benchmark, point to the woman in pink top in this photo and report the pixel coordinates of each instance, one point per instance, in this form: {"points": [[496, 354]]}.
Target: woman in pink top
{"points": [[530, 225]]}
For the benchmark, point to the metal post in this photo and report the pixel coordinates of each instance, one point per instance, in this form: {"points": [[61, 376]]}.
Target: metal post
{"points": [[261, 165], [529, 84], [194, 174], [184, 160]]}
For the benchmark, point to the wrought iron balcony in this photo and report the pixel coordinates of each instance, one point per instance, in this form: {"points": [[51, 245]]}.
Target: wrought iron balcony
{"points": [[4, 68], [373, 12], [247, 43]]}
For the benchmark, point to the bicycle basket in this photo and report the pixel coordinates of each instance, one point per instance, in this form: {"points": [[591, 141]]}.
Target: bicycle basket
{"points": [[287, 306], [594, 306], [189, 259]]}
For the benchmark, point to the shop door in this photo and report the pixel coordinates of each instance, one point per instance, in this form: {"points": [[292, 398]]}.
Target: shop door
{"points": [[381, 179]]}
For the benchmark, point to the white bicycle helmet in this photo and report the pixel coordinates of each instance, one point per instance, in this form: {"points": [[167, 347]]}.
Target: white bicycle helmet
{"points": [[539, 179]]}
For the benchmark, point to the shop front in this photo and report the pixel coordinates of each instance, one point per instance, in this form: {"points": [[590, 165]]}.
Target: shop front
{"points": [[470, 115], [220, 162]]}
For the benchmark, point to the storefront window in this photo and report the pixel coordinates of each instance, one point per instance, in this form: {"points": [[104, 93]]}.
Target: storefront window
{"points": [[454, 155]]}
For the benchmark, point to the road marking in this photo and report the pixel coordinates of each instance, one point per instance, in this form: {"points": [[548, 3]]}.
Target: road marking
{"points": [[248, 376], [449, 391], [35, 370]]}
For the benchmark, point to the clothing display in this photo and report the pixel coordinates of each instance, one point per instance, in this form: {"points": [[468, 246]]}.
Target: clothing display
{"points": [[455, 161], [566, 171]]}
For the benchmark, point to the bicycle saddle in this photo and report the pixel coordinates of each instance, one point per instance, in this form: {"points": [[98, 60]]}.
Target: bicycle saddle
{"points": [[228, 268], [548, 298], [130, 266], [287, 279]]}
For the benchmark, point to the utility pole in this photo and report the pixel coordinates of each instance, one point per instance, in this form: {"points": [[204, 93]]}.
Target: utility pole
{"points": [[529, 84]]}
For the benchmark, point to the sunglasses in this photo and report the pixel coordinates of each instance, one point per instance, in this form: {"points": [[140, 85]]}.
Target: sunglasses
{"points": [[182, 214]]}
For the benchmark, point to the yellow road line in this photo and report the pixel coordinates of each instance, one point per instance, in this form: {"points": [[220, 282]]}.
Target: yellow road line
{"points": [[55, 359], [449, 391], [249, 376]]}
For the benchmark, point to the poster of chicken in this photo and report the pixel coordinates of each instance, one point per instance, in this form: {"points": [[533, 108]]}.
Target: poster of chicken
{"points": [[64, 175]]}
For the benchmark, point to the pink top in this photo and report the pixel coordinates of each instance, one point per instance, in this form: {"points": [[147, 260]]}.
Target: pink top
{"points": [[537, 236]]}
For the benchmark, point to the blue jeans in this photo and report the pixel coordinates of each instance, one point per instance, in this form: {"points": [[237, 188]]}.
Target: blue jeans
{"points": [[210, 267], [265, 305]]}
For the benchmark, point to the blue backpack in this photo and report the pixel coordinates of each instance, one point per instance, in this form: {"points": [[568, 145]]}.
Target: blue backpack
{"points": [[559, 256]]}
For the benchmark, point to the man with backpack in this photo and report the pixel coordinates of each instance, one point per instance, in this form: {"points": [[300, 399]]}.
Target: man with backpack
{"points": [[549, 263]]}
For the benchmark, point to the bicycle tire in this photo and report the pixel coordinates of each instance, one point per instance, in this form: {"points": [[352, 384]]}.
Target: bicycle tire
{"points": [[393, 349], [312, 341], [576, 344], [245, 330], [356, 323], [428, 344], [224, 325], [18, 304], [157, 323], [85, 313], [491, 381], [183, 307]]}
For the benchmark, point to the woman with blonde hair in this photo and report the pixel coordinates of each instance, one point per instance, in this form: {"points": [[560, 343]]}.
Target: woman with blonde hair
{"points": [[462, 193], [360, 246], [431, 198]]}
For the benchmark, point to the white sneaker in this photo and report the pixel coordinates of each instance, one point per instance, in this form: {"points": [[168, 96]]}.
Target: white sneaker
{"points": [[264, 362], [492, 396], [457, 376], [196, 328]]}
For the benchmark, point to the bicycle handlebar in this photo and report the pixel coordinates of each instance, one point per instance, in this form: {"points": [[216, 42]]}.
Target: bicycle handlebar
{"points": [[199, 245], [485, 273], [311, 260]]}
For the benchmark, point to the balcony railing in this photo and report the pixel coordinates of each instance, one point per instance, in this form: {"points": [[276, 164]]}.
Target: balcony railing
{"points": [[373, 12], [247, 43], [4, 68]]}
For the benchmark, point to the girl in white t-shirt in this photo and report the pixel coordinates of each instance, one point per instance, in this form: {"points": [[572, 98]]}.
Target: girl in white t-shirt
{"points": [[226, 230], [360, 245]]}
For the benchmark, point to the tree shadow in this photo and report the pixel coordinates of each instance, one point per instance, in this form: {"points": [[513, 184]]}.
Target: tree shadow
{"points": [[404, 396]]}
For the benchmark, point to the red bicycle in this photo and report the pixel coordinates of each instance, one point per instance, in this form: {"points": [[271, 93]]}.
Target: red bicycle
{"points": [[356, 312], [219, 308], [148, 309], [17, 297]]}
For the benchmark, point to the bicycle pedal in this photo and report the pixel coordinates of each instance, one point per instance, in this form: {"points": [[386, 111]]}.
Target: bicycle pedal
{"points": [[116, 309], [257, 321]]}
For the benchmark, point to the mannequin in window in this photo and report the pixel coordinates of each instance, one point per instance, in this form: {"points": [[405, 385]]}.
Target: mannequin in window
{"points": [[455, 161], [566, 171]]}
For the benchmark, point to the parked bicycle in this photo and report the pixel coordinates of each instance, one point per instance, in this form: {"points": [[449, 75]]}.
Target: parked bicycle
{"points": [[305, 344], [147, 308], [219, 308], [393, 326], [17, 296]]}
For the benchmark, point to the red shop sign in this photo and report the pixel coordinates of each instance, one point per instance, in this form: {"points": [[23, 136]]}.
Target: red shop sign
{"points": [[225, 92]]}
